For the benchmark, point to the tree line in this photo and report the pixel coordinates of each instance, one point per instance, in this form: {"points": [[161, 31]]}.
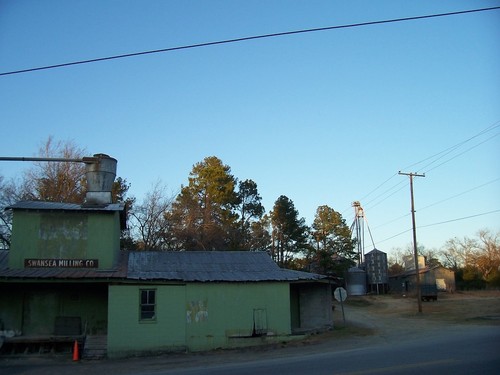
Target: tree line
{"points": [[214, 211], [476, 261], [217, 211]]}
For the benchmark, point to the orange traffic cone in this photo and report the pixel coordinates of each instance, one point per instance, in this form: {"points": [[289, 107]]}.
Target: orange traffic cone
{"points": [[76, 354]]}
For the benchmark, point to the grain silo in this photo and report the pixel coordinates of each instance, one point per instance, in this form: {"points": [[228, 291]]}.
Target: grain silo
{"points": [[377, 271], [356, 282]]}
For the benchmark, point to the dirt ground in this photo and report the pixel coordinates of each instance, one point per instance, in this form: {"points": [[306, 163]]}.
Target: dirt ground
{"points": [[368, 320], [459, 307], [397, 315]]}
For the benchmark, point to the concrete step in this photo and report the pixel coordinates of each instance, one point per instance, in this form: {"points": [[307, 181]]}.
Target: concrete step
{"points": [[96, 347]]}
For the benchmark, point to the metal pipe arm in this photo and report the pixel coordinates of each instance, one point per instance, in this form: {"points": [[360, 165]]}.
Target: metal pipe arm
{"points": [[87, 159]]}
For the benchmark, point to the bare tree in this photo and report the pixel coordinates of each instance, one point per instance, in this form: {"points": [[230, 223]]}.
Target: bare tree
{"points": [[11, 192], [488, 259], [149, 222], [5, 216], [459, 253], [57, 181]]}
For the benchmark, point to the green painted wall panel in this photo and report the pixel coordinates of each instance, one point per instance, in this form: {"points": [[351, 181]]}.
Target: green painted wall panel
{"points": [[197, 316], [65, 235], [104, 239], [25, 226], [230, 309], [128, 335]]}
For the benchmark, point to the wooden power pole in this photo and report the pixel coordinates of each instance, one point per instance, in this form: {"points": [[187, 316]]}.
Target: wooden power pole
{"points": [[415, 251]]}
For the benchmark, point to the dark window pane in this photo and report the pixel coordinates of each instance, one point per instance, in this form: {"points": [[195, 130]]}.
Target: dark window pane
{"points": [[151, 298], [147, 315], [148, 307]]}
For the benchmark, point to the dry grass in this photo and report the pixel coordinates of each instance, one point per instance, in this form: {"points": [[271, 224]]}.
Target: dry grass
{"points": [[461, 307]]}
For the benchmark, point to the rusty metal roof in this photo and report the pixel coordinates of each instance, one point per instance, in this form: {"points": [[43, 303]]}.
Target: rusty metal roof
{"points": [[205, 266]]}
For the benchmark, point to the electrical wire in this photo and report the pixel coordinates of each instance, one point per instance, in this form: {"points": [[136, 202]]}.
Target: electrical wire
{"points": [[441, 155], [460, 218], [438, 202], [459, 194], [460, 154], [440, 223], [248, 38], [378, 187], [389, 192], [453, 148], [401, 185]]}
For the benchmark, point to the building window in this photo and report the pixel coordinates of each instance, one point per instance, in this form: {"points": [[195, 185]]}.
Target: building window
{"points": [[148, 304]]}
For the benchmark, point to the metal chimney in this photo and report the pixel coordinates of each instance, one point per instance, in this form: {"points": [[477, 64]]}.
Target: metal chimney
{"points": [[100, 176]]}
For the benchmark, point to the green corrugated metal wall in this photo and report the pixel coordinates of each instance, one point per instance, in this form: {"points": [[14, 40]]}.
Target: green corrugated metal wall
{"points": [[197, 316]]}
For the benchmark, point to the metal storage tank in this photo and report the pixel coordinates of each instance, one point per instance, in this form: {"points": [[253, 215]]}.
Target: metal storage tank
{"points": [[377, 271], [356, 282], [100, 172]]}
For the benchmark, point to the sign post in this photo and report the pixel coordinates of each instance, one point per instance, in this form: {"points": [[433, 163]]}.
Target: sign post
{"points": [[340, 295]]}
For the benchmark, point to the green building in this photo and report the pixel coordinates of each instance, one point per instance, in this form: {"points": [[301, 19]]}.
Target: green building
{"points": [[65, 279]]}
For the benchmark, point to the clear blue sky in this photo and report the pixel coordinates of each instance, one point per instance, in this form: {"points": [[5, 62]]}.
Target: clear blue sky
{"points": [[324, 118]]}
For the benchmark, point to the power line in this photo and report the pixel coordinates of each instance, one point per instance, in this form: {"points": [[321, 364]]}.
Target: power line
{"points": [[454, 147], [390, 191], [463, 152], [459, 194], [378, 187], [396, 235], [370, 205], [438, 202], [441, 154], [248, 38], [460, 218], [440, 223]]}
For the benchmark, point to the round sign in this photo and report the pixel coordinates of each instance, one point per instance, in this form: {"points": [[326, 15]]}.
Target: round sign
{"points": [[340, 294]]}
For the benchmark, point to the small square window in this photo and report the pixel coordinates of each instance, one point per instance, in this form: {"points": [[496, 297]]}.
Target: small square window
{"points": [[148, 304]]}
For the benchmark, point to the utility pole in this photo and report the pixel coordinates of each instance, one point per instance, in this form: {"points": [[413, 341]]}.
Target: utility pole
{"points": [[415, 251]]}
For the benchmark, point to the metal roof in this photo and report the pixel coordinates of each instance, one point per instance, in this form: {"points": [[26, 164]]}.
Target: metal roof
{"points": [[204, 266], [60, 206], [179, 266], [375, 251]]}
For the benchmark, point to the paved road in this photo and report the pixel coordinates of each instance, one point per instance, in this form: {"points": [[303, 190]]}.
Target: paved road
{"points": [[475, 350], [452, 350]]}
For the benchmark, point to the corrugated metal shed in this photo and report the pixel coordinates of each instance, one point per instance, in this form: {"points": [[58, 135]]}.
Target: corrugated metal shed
{"points": [[205, 266]]}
